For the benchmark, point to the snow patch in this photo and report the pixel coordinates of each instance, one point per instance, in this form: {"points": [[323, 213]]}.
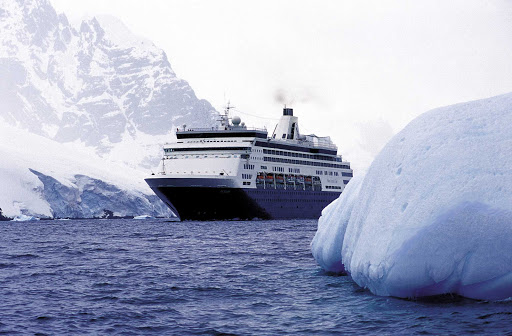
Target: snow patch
{"points": [[121, 36]]}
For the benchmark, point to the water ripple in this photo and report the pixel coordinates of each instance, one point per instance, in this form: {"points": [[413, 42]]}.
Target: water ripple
{"points": [[126, 277]]}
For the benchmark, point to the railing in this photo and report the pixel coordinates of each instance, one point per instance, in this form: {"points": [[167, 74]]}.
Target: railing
{"points": [[223, 129], [306, 143]]}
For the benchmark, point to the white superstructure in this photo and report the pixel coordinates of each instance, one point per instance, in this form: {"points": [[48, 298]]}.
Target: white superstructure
{"points": [[233, 151]]}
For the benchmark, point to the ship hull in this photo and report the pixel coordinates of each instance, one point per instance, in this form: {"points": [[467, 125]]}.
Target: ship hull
{"points": [[224, 203]]}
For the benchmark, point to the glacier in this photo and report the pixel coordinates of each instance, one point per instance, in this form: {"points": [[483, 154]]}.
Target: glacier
{"points": [[43, 178], [433, 213]]}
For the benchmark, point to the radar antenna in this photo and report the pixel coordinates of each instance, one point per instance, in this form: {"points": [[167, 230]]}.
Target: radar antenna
{"points": [[224, 118]]}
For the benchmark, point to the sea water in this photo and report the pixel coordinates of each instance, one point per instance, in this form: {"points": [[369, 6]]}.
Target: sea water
{"points": [[130, 277]]}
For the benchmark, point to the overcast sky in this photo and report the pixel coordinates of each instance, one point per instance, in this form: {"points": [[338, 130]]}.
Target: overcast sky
{"points": [[357, 71]]}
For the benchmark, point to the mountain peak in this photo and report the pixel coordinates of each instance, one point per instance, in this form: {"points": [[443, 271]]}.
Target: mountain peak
{"points": [[120, 35], [91, 30]]}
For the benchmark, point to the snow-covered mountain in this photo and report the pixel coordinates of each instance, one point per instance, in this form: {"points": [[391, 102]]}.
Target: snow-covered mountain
{"points": [[76, 99], [97, 84]]}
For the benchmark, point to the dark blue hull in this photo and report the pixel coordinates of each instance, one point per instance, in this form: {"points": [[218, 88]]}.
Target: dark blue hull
{"points": [[204, 203], [292, 204]]}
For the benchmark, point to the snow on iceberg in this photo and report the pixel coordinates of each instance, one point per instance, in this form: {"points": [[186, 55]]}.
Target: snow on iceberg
{"points": [[433, 214]]}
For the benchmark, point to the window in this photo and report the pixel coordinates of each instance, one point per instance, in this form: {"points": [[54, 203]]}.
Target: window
{"points": [[202, 149], [308, 163]]}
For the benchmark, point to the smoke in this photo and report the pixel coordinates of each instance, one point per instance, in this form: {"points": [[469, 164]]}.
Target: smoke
{"points": [[280, 97], [302, 96]]}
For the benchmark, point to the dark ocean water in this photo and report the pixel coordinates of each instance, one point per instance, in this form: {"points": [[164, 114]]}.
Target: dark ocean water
{"points": [[130, 277]]}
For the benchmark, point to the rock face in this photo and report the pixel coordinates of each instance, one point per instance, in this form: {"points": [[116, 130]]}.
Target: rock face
{"points": [[71, 94], [97, 83], [433, 214]]}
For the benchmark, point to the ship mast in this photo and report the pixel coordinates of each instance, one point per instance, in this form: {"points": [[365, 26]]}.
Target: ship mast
{"points": [[224, 118], [163, 166]]}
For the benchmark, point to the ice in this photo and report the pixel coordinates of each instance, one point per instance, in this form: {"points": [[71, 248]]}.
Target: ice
{"points": [[43, 178], [433, 214], [143, 217], [326, 245], [24, 218]]}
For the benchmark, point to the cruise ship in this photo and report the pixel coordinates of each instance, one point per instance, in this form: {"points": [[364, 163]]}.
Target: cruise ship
{"points": [[232, 171]]}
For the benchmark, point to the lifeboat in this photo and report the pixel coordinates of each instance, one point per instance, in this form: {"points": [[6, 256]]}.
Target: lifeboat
{"points": [[260, 178]]}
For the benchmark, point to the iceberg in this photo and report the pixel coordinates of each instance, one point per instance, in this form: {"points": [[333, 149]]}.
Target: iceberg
{"points": [[327, 243], [24, 218], [433, 214], [144, 217]]}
